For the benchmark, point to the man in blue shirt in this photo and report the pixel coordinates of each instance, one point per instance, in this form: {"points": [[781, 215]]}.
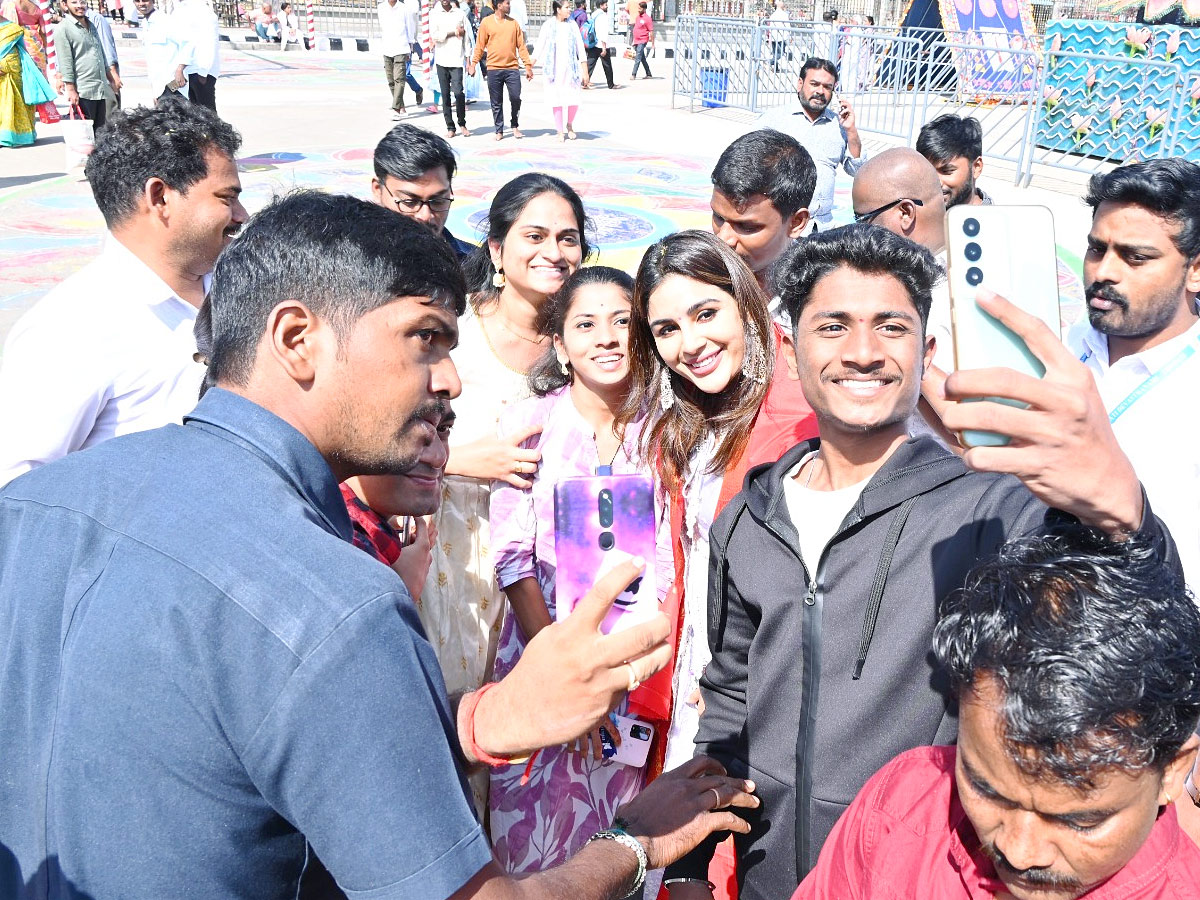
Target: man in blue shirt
{"points": [[203, 682]]}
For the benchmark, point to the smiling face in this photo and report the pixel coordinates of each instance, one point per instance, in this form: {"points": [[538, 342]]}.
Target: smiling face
{"points": [[860, 353], [542, 248], [756, 231], [418, 492], [1047, 840], [1138, 282], [595, 338], [390, 388], [957, 176], [698, 331], [207, 216]]}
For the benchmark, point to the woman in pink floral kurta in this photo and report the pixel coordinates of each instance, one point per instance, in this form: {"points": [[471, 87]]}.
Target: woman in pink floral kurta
{"points": [[570, 795]]}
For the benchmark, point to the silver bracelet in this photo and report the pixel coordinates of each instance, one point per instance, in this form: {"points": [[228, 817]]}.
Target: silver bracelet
{"points": [[667, 882], [623, 837]]}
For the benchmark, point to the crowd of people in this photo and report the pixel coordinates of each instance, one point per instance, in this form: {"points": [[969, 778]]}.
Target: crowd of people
{"points": [[277, 539]]}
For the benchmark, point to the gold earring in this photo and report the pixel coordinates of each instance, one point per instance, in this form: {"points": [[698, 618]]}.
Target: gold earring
{"points": [[498, 280]]}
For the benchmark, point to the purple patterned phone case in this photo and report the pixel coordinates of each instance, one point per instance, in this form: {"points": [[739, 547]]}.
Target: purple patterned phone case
{"points": [[599, 522]]}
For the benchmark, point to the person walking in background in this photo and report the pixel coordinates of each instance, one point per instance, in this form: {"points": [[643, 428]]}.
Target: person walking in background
{"points": [[166, 53], [780, 20], [412, 9], [22, 87], [580, 15], [27, 14], [502, 42], [599, 41], [448, 27], [396, 39], [643, 35], [112, 65], [561, 53], [81, 64], [202, 35]]}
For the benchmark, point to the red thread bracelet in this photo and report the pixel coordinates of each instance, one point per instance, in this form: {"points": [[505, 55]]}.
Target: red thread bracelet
{"points": [[472, 703]]}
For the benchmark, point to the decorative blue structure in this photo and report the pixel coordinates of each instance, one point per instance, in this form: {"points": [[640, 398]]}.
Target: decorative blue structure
{"points": [[1121, 92]]}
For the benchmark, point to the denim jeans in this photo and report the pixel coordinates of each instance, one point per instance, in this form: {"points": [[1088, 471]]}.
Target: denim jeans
{"points": [[498, 80]]}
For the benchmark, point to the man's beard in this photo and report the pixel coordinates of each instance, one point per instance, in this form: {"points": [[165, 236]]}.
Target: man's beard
{"points": [[398, 459], [1122, 320], [814, 105], [1044, 878], [964, 194]]}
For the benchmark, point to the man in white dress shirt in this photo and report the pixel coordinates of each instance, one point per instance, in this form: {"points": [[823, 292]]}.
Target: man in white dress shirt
{"points": [[1142, 335], [110, 350], [166, 50], [203, 47], [397, 34]]}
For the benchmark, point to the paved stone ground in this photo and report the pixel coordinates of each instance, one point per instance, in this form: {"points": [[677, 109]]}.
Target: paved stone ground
{"points": [[312, 119]]}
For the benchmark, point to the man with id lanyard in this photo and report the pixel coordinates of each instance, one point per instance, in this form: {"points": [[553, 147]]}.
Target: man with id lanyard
{"points": [[1142, 337]]}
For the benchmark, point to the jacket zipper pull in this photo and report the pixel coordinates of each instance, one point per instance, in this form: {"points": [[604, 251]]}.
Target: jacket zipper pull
{"points": [[810, 599]]}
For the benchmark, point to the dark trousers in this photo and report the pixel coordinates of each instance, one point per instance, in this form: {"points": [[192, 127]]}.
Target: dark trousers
{"points": [[498, 80], [605, 57], [639, 59], [203, 90], [450, 80], [94, 110]]}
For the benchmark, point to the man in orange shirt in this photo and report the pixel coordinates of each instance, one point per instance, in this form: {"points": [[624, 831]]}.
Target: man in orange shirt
{"points": [[502, 39]]}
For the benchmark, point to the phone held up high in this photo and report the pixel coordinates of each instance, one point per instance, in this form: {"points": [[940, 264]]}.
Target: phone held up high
{"points": [[1009, 250], [601, 521]]}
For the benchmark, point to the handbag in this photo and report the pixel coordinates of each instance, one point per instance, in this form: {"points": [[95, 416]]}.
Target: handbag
{"points": [[79, 138]]}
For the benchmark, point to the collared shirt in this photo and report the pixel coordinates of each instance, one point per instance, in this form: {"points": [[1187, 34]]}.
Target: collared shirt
{"points": [[165, 51], [201, 38], [81, 57], [604, 26], [395, 29], [205, 677], [825, 140], [906, 835], [1159, 431], [107, 352], [371, 531], [448, 47], [104, 31]]}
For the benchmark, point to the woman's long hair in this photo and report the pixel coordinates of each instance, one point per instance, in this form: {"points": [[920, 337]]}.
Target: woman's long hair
{"points": [[547, 375], [508, 204], [678, 431]]}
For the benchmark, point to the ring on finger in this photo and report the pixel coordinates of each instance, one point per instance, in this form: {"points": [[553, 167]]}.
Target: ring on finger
{"points": [[717, 798], [634, 681]]}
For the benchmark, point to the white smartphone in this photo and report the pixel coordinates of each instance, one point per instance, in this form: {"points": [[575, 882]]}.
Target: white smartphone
{"points": [[1009, 250], [636, 737]]}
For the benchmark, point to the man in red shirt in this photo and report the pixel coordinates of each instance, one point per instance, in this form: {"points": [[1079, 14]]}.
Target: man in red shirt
{"points": [[1076, 661]]}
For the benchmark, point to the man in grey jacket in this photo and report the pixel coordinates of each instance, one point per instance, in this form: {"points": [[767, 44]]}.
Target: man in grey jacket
{"points": [[828, 570]]}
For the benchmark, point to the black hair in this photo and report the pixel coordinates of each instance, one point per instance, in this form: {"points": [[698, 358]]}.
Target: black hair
{"points": [[340, 256], [170, 141], [407, 152], [547, 375], [816, 62], [508, 204], [949, 136], [867, 249], [556, 5], [830, 15], [579, 4], [769, 163], [1168, 187], [1095, 645]]}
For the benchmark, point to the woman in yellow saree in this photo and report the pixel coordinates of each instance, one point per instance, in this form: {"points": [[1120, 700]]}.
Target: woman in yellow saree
{"points": [[22, 87]]}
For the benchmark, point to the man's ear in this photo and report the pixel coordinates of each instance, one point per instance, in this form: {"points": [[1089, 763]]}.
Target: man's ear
{"points": [[1191, 275], [798, 222], [154, 195], [1177, 770], [930, 352], [977, 168], [296, 340], [789, 353]]}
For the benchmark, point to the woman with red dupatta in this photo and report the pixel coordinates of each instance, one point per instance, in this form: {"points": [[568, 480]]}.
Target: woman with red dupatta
{"points": [[709, 364]]}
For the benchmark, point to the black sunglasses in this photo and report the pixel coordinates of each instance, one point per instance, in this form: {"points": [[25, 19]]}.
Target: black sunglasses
{"points": [[861, 218]]}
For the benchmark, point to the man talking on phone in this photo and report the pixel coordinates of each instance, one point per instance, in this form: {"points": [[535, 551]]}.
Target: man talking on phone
{"points": [[829, 569], [826, 129]]}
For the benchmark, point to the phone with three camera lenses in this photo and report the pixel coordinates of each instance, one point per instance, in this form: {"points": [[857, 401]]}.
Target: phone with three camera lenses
{"points": [[601, 521], [1009, 250]]}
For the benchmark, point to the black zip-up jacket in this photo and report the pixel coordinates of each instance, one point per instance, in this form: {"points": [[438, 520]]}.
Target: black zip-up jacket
{"points": [[822, 671]]}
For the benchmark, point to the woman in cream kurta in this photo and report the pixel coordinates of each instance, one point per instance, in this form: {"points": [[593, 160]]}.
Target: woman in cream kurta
{"points": [[563, 59], [535, 242]]}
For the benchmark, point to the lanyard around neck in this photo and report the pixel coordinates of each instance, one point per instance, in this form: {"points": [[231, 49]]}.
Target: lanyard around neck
{"points": [[1151, 381]]}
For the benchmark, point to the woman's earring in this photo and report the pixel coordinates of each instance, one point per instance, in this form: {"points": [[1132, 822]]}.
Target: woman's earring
{"points": [[666, 393], [565, 368], [498, 280], [754, 366]]}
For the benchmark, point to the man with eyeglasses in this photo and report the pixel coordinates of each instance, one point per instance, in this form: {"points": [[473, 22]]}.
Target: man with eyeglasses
{"points": [[413, 174], [900, 190]]}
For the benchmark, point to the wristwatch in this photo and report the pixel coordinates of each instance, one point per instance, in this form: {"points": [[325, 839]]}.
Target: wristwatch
{"points": [[1190, 787], [621, 836]]}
